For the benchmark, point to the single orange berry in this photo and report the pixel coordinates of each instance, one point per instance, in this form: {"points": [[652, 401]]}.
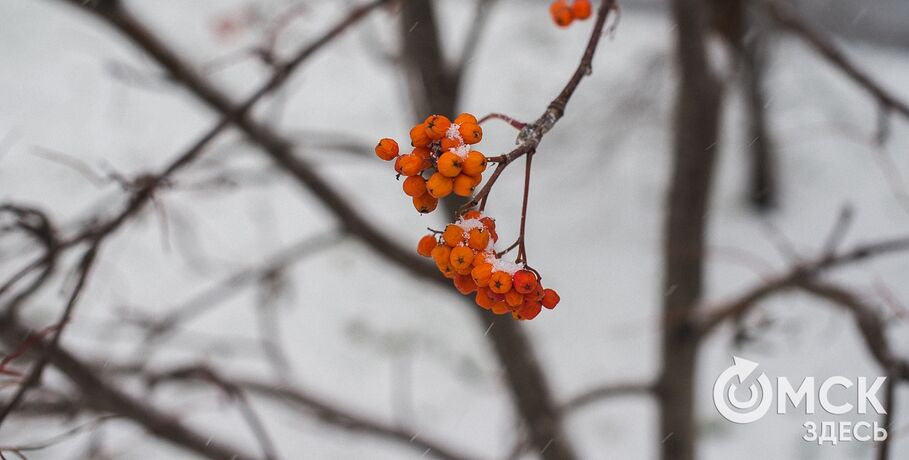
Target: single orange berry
{"points": [[550, 299], [463, 185], [472, 133], [472, 214], [424, 154], [561, 13], [478, 239], [448, 143], [581, 9], [480, 259], [481, 274], [528, 310], [465, 118], [461, 257], [524, 281], [489, 223], [448, 271], [464, 284], [514, 299], [414, 186], [453, 235], [474, 164], [449, 164], [436, 126], [483, 299], [500, 307], [441, 254], [500, 282], [409, 165], [387, 149], [439, 186], [425, 203], [418, 136], [426, 245]]}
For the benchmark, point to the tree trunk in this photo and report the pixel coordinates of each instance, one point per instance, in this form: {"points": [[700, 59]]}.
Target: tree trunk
{"points": [[697, 115]]}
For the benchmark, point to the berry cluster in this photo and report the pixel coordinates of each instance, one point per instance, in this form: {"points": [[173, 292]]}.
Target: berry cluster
{"points": [[465, 253], [564, 15], [442, 161]]}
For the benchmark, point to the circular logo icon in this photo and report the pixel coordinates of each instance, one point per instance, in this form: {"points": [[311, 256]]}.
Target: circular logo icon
{"points": [[735, 379]]}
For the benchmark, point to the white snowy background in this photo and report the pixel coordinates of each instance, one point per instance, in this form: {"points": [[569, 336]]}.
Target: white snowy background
{"points": [[369, 337]]}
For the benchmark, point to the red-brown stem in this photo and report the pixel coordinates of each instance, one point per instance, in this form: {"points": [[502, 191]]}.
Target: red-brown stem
{"points": [[522, 248], [519, 125]]}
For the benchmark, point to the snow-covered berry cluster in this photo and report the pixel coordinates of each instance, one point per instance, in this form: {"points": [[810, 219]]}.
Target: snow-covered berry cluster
{"points": [[465, 253], [442, 161], [564, 15]]}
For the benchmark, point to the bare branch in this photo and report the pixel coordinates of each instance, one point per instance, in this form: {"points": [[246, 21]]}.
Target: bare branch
{"points": [[786, 16]]}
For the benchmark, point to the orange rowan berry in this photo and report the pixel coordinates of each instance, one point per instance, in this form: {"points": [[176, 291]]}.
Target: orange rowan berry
{"points": [[463, 185], [441, 254], [448, 271], [483, 299], [481, 274], [474, 164], [409, 165], [581, 9], [425, 203], [453, 235], [479, 259], [478, 238], [527, 311], [472, 214], [448, 143], [500, 307], [489, 223], [418, 136], [465, 118], [439, 186], [514, 299], [500, 282], [461, 257], [424, 154], [561, 13], [387, 149], [426, 245], [437, 126], [471, 133], [464, 270], [414, 186], [449, 164], [524, 281], [464, 284], [550, 298]]}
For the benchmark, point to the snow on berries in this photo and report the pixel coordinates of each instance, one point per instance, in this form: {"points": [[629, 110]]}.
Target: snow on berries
{"points": [[465, 253], [564, 14], [442, 161]]}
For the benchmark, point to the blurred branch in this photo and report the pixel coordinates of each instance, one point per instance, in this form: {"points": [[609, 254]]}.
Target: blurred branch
{"points": [[869, 323], [710, 317], [608, 391], [787, 17], [34, 376], [100, 395], [322, 410]]}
